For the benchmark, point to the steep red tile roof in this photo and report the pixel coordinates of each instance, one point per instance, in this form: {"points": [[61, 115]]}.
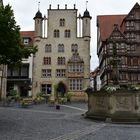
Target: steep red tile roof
{"points": [[106, 23], [27, 34]]}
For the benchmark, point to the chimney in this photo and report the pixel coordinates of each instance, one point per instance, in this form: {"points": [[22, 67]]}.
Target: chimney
{"points": [[65, 6]]}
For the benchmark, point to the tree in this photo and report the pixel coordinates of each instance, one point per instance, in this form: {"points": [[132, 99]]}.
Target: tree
{"points": [[11, 48]]}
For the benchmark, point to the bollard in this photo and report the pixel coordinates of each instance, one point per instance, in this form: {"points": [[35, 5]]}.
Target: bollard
{"points": [[57, 107]]}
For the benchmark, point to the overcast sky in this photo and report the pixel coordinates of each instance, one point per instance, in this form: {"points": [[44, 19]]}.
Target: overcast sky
{"points": [[25, 10]]}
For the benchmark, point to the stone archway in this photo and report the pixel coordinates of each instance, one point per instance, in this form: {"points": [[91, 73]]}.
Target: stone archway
{"points": [[61, 89]]}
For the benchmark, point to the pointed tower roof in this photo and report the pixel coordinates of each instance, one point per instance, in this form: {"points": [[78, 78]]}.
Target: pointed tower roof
{"points": [[38, 15], [86, 14]]}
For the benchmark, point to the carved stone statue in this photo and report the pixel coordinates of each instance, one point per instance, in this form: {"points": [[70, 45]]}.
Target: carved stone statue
{"points": [[114, 63]]}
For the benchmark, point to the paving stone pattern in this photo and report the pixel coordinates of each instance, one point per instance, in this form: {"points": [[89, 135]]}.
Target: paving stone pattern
{"points": [[42, 122]]}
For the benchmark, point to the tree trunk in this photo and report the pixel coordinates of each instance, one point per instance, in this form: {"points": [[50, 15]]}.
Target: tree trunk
{"points": [[3, 81]]}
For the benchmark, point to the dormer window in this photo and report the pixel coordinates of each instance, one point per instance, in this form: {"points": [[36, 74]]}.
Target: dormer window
{"points": [[25, 41], [62, 22]]}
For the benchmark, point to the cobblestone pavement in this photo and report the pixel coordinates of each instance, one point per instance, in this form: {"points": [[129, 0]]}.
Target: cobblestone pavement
{"points": [[43, 122]]}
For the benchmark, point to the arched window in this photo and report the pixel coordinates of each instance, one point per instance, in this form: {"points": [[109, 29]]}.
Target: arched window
{"points": [[61, 48], [47, 61], [61, 60], [67, 33], [56, 33], [62, 22], [74, 48], [48, 48]]}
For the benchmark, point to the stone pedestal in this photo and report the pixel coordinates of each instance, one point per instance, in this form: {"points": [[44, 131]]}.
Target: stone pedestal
{"points": [[118, 106]]}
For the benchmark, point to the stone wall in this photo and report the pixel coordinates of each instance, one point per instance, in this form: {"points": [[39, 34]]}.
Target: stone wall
{"points": [[121, 105]]}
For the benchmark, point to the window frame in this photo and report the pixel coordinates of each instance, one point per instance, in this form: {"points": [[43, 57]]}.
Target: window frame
{"points": [[67, 33], [46, 73], [48, 48], [60, 73], [56, 33], [62, 22], [76, 84], [46, 60], [60, 47]]}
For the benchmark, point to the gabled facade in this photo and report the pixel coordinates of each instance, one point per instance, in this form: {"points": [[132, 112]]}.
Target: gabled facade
{"points": [[62, 56], [123, 33]]}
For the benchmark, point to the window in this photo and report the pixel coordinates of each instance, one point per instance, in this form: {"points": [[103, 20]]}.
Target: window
{"points": [[62, 22], [61, 48], [138, 37], [47, 61], [122, 60], [60, 73], [61, 60], [46, 88], [134, 77], [9, 72], [24, 70], [135, 61], [25, 41], [75, 84], [46, 73], [15, 72], [48, 48], [129, 61], [131, 48], [67, 33], [74, 48], [122, 76], [56, 33], [76, 68]]}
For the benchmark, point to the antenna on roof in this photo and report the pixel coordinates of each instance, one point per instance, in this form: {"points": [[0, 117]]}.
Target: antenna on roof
{"points": [[86, 4], [39, 6]]}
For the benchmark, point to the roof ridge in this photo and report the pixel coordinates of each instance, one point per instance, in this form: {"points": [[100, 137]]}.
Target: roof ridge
{"points": [[112, 15]]}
